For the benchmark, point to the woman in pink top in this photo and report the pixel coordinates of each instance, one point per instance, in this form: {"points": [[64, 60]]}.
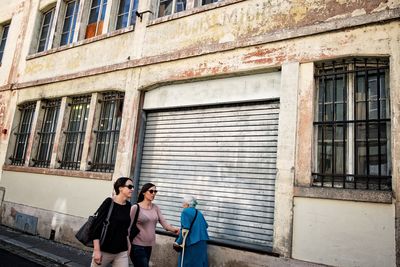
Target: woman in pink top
{"points": [[149, 215]]}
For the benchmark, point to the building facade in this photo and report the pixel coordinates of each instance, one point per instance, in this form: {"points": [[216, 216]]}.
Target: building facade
{"points": [[282, 117]]}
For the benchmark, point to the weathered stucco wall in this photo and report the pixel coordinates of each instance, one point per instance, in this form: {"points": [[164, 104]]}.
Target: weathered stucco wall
{"points": [[344, 233], [246, 19]]}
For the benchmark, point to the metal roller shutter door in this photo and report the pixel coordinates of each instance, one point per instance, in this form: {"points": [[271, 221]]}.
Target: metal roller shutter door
{"points": [[224, 155]]}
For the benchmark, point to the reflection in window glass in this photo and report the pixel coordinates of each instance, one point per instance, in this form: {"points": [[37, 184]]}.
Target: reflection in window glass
{"points": [[45, 30], [68, 30], [353, 125]]}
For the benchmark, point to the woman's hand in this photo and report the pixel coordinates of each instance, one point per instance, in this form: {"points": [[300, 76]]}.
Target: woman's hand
{"points": [[175, 230], [97, 257]]}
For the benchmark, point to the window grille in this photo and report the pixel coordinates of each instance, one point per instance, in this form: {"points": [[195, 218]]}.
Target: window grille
{"points": [[3, 40], [107, 135], [47, 133], [45, 30], [71, 14], [24, 130], [75, 134], [352, 127]]}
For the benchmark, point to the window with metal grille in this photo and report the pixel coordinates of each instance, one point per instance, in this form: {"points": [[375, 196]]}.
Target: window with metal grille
{"points": [[107, 133], [352, 124], [47, 133], [24, 130], [75, 133]]}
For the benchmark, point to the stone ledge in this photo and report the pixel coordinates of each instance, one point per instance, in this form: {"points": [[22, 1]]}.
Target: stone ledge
{"points": [[70, 173], [345, 194]]}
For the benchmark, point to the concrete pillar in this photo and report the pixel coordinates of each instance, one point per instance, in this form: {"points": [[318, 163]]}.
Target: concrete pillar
{"points": [[286, 159]]}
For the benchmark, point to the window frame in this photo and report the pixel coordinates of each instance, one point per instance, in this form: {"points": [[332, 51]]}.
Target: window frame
{"points": [[174, 4], [105, 162], [26, 113], [5, 29], [131, 20], [47, 133], [99, 24], [74, 137], [72, 31], [351, 177], [47, 44]]}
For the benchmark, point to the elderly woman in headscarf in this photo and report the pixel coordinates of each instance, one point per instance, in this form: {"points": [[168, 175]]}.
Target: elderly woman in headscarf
{"points": [[193, 236]]}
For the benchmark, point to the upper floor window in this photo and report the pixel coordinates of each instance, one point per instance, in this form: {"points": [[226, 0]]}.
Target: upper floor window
{"points": [[75, 133], [24, 130], [107, 133], [206, 2], [44, 37], [352, 125], [68, 30], [96, 18], [126, 13], [168, 7], [3, 40], [47, 133]]}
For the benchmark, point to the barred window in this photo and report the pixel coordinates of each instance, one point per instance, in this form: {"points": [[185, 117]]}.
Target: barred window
{"points": [[352, 125], [24, 130], [75, 133], [107, 134], [47, 133]]}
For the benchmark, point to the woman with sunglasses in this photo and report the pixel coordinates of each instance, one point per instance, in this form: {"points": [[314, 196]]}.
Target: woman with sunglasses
{"points": [[116, 246], [149, 215]]}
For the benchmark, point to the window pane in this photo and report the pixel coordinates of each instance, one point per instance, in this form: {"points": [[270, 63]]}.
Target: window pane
{"points": [[107, 135], [180, 5], [94, 14], [365, 136], [165, 8], [47, 133], [75, 134], [45, 31]]}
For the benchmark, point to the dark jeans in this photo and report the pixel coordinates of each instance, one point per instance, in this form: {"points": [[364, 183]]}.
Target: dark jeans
{"points": [[140, 256]]}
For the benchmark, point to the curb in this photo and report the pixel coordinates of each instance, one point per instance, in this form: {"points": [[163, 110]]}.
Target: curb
{"points": [[20, 246]]}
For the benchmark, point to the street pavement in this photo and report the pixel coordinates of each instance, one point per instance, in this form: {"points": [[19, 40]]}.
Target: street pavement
{"points": [[42, 251]]}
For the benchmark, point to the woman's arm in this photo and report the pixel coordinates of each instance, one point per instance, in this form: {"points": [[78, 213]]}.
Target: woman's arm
{"points": [[164, 223], [97, 257]]}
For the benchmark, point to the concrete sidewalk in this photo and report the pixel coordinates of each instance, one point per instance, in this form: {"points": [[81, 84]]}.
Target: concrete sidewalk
{"points": [[49, 252]]}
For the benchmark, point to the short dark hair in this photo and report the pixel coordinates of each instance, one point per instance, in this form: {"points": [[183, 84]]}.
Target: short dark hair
{"points": [[145, 187], [120, 182]]}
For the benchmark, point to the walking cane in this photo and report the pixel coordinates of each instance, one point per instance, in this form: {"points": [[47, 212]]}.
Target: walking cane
{"points": [[184, 234]]}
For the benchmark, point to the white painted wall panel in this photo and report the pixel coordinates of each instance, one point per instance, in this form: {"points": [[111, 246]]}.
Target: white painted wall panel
{"points": [[344, 233]]}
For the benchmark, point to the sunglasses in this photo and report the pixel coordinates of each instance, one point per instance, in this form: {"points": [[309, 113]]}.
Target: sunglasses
{"points": [[129, 186], [152, 191]]}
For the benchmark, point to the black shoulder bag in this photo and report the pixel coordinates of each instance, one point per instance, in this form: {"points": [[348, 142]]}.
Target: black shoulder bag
{"points": [[84, 234], [134, 229], [178, 248]]}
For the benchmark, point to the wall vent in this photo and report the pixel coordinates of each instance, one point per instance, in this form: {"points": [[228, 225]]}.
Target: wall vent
{"points": [[26, 223]]}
